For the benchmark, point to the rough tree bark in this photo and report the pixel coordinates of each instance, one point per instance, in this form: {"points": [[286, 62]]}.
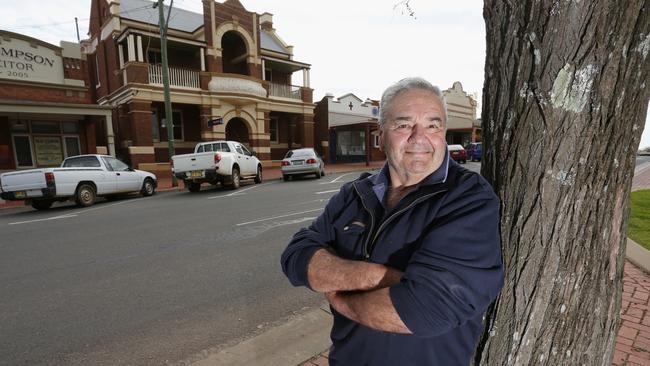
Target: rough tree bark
{"points": [[564, 104]]}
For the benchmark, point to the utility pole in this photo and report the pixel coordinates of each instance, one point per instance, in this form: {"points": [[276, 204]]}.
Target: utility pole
{"points": [[76, 23], [169, 122]]}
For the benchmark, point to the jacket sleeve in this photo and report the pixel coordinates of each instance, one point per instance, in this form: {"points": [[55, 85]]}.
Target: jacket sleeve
{"points": [[320, 234], [457, 271]]}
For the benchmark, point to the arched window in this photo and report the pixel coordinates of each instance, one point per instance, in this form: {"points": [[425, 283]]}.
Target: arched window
{"points": [[234, 54]]}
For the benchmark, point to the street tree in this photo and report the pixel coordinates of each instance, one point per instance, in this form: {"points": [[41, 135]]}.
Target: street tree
{"points": [[564, 104]]}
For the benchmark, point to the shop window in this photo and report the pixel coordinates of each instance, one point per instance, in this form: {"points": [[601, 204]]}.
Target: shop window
{"points": [[23, 151], [350, 143], [70, 127], [46, 127], [273, 129], [19, 126], [72, 146]]}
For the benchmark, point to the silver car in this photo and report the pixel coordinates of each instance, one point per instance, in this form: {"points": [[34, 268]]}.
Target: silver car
{"points": [[302, 162]]}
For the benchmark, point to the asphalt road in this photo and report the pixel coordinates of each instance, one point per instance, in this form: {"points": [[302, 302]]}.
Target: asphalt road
{"points": [[150, 281]]}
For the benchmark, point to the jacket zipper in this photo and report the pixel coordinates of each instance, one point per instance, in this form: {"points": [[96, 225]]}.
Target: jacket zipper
{"points": [[372, 224], [368, 250]]}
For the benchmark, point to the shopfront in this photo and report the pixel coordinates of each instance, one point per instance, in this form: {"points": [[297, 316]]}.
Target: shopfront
{"points": [[46, 106]]}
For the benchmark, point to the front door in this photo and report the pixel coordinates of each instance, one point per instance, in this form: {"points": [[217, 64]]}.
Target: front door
{"points": [[127, 180]]}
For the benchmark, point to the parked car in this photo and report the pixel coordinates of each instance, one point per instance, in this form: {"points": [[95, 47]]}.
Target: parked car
{"points": [[475, 151], [302, 162], [81, 178], [225, 162], [457, 153]]}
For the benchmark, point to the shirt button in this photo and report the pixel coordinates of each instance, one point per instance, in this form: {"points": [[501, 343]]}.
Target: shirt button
{"points": [[346, 228]]}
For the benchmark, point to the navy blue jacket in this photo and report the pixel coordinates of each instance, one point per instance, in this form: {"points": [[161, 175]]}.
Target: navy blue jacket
{"points": [[444, 236]]}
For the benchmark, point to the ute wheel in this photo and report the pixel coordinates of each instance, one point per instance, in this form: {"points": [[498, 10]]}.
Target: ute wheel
{"points": [[285, 177], [85, 195], [234, 178], [193, 187], [322, 172], [258, 177], [42, 205], [148, 188]]}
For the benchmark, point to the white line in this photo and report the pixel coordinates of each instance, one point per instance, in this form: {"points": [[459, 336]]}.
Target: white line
{"points": [[330, 191], [337, 178], [48, 219], [277, 217], [236, 193]]}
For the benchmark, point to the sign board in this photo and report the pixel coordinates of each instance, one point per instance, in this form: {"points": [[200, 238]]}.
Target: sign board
{"points": [[215, 121], [26, 61], [48, 150]]}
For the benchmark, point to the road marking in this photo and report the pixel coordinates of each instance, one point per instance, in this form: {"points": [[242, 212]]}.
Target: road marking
{"points": [[236, 193], [48, 219], [335, 180], [277, 217], [330, 191]]}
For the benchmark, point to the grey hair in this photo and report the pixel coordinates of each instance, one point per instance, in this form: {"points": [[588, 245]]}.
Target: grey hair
{"points": [[412, 83]]}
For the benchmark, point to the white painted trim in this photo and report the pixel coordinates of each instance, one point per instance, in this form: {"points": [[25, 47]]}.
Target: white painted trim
{"points": [[140, 56], [141, 150], [202, 59], [131, 47]]}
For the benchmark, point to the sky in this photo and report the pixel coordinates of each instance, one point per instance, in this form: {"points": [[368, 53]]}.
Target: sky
{"points": [[357, 47]]}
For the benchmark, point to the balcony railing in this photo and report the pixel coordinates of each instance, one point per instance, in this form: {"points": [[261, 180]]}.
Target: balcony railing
{"points": [[285, 91], [177, 76]]}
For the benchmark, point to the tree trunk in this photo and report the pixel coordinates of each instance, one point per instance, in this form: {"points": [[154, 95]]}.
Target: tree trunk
{"points": [[564, 104]]}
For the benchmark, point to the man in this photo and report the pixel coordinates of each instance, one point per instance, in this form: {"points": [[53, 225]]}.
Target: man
{"points": [[409, 258]]}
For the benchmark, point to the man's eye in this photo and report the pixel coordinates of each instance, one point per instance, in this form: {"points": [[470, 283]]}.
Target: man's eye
{"points": [[402, 126]]}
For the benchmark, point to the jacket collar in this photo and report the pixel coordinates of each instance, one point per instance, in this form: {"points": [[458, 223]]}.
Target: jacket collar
{"points": [[379, 182]]}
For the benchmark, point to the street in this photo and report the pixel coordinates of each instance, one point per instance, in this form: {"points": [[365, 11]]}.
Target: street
{"points": [[149, 281]]}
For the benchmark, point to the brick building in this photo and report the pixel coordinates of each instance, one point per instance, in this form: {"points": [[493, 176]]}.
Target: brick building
{"points": [[46, 104], [347, 129], [227, 62]]}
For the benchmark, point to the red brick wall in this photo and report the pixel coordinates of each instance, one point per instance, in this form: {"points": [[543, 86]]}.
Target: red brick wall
{"points": [[43, 94], [140, 122]]}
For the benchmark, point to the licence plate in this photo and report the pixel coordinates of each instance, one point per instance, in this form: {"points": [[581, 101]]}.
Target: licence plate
{"points": [[196, 173], [297, 162], [20, 194]]}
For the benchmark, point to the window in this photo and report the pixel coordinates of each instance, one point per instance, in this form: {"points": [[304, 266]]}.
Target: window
{"points": [[245, 150], [223, 146], [82, 162], [72, 146], [177, 116], [154, 56], [115, 165], [155, 127], [376, 138], [267, 74], [23, 151], [98, 83], [70, 127], [239, 150], [207, 147], [273, 129], [46, 127]]}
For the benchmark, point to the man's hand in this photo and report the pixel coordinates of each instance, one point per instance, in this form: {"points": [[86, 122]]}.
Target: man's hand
{"points": [[327, 273]]}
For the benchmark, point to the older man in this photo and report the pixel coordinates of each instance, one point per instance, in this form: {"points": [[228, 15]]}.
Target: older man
{"points": [[409, 258]]}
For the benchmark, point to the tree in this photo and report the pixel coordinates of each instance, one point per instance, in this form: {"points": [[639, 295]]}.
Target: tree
{"points": [[564, 104]]}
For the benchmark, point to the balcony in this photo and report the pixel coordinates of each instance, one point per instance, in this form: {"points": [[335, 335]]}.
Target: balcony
{"points": [[178, 77], [285, 91]]}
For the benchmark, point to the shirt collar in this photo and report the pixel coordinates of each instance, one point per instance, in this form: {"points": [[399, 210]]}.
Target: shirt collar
{"points": [[381, 180]]}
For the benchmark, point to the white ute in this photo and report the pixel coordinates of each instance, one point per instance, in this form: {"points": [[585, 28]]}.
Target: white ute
{"points": [[81, 178], [213, 162]]}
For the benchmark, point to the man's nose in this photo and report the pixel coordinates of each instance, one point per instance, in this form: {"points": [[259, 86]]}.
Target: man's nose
{"points": [[417, 133]]}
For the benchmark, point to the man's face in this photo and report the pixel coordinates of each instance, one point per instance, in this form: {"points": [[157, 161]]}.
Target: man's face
{"points": [[413, 138]]}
